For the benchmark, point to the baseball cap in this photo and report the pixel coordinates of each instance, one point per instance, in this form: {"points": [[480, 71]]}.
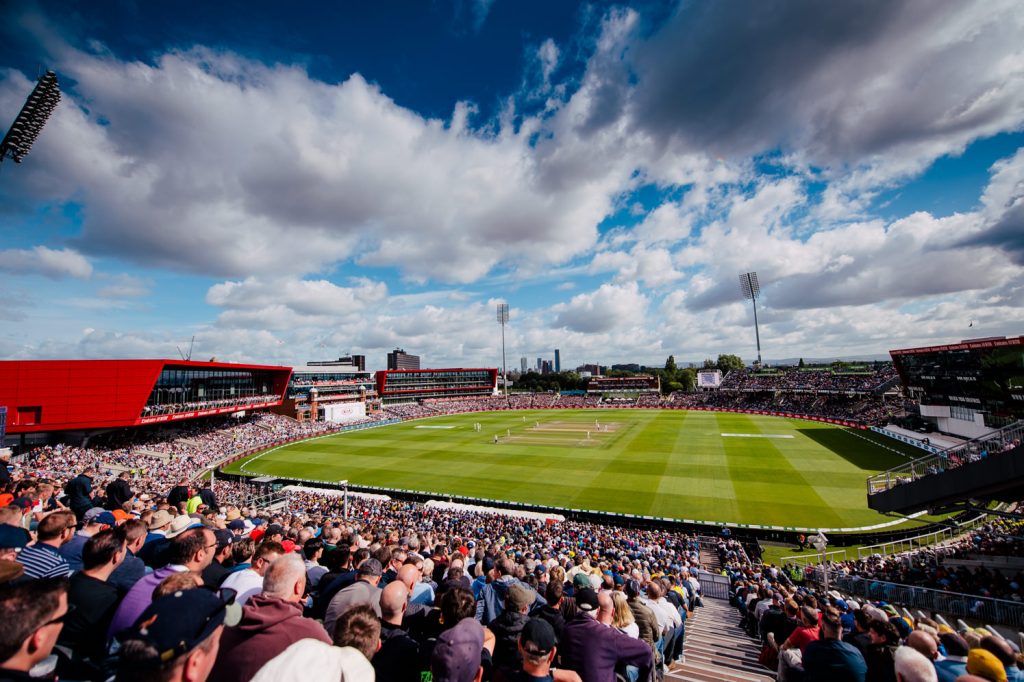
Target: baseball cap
{"points": [[236, 524], [518, 597], [537, 637], [224, 538], [106, 518], [370, 567], [91, 513], [632, 588], [175, 624], [586, 599], [274, 529], [581, 580], [456, 656], [12, 536]]}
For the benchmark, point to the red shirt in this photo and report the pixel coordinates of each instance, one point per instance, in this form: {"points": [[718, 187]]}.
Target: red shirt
{"points": [[803, 636]]}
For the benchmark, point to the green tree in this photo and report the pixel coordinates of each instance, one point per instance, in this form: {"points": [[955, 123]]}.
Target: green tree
{"points": [[670, 365], [728, 362], [688, 378], [710, 364], [801, 365]]}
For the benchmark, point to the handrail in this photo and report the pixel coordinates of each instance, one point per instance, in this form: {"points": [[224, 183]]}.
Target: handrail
{"points": [[953, 533], [1005, 439], [986, 609]]}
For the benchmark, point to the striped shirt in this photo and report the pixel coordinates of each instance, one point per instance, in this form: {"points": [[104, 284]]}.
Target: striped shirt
{"points": [[43, 561]]}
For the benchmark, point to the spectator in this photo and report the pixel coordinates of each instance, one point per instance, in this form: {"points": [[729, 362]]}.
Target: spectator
{"points": [[880, 653], [805, 633], [118, 492], [92, 602], [79, 492], [985, 664], [460, 653], [359, 628], [218, 570], [313, 551], [311, 659], [538, 649], [913, 666], [248, 582], [828, 658], [131, 569], [42, 559], [647, 622], [190, 551], [271, 622], [508, 625], [208, 497], [96, 519], [399, 655], [175, 638], [594, 650], [364, 590], [1002, 650], [955, 663], [41, 607], [12, 540], [491, 602]]}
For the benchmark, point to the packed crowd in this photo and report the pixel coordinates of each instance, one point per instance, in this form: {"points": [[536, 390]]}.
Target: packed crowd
{"points": [[809, 635], [934, 568], [798, 379], [863, 408], [111, 584], [192, 406], [395, 589]]}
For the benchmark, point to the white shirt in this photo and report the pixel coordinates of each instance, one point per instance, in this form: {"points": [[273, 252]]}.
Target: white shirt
{"points": [[246, 583]]}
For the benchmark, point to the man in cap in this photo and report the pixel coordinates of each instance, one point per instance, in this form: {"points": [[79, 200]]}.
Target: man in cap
{"points": [[491, 601], [95, 520], [271, 622], [459, 653], [595, 650], [192, 551], [41, 606], [537, 647], [509, 625], [155, 553], [12, 540], [176, 638], [119, 491], [365, 590], [218, 570]]}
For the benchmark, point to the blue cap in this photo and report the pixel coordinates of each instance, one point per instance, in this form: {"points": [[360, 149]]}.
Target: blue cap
{"points": [[106, 518], [12, 536], [175, 624]]}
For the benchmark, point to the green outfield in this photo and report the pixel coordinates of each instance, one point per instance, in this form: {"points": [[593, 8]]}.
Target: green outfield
{"points": [[704, 466]]}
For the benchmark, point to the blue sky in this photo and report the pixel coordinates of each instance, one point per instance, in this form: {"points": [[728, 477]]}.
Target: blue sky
{"points": [[286, 186]]}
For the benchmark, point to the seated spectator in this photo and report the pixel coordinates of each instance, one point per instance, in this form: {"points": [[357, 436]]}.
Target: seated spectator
{"points": [[593, 649], [508, 625], [987, 665], [41, 607], [460, 653], [364, 590], [399, 655], [131, 570], [175, 638], [491, 602], [359, 628], [955, 662], [311, 659], [828, 658], [92, 601], [538, 649], [913, 666], [42, 559], [248, 582], [271, 622]]}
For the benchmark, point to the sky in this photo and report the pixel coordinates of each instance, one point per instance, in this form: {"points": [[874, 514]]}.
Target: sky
{"points": [[288, 183]]}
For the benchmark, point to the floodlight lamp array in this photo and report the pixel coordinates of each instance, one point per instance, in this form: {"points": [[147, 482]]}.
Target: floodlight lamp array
{"points": [[749, 285], [31, 119], [503, 313]]}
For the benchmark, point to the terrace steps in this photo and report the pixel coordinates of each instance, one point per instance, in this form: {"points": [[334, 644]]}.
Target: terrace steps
{"points": [[717, 649]]}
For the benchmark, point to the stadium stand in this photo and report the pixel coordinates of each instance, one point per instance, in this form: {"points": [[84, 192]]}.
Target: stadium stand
{"points": [[595, 600]]}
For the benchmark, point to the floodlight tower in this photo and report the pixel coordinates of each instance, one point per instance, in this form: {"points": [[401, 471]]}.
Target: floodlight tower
{"points": [[31, 119], [502, 320], [751, 289]]}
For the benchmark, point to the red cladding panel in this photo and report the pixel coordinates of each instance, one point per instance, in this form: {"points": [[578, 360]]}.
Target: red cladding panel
{"points": [[61, 395]]}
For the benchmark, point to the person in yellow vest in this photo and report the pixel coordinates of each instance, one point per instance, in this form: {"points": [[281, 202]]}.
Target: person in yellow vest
{"points": [[194, 502]]}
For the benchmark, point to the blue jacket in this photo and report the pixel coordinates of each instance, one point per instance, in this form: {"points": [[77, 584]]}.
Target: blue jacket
{"points": [[491, 602]]}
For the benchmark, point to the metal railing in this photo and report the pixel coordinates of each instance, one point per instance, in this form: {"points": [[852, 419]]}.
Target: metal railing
{"points": [[919, 541], [985, 609], [975, 450]]}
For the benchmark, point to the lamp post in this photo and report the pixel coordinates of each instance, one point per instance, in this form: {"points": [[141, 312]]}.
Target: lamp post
{"points": [[751, 289], [344, 508], [502, 320]]}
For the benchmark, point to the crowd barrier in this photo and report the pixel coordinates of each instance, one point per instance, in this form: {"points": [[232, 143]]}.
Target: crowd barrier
{"points": [[984, 609]]}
